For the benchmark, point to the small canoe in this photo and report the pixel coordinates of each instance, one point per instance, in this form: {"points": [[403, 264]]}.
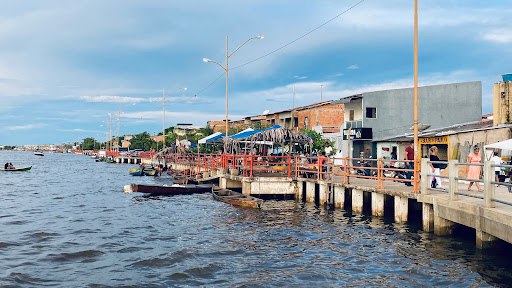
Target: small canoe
{"points": [[175, 189], [16, 169], [149, 172], [136, 172], [235, 198]]}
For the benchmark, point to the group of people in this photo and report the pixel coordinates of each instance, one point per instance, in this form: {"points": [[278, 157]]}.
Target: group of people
{"points": [[8, 166], [473, 171]]}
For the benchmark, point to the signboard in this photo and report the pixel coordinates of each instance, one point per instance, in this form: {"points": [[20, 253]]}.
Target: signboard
{"points": [[434, 140], [358, 134]]}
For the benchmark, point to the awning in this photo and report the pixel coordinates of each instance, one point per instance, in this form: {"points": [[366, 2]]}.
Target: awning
{"points": [[203, 141], [504, 145]]}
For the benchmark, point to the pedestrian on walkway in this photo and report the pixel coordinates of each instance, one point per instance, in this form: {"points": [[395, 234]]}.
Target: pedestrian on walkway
{"points": [[409, 155], [435, 181], [497, 161], [474, 171]]}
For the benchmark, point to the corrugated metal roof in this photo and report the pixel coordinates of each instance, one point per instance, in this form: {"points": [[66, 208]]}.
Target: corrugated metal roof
{"points": [[348, 99]]}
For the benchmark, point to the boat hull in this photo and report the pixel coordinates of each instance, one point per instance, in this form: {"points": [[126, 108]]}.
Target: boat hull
{"points": [[17, 169], [235, 198], [155, 190], [136, 172]]}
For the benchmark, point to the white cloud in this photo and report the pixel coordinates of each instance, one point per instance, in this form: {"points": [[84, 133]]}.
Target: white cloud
{"points": [[352, 67], [112, 99], [499, 36], [194, 117], [80, 130], [183, 99], [300, 77], [26, 127]]}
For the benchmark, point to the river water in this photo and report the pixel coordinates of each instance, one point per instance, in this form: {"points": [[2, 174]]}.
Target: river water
{"points": [[67, 223]]}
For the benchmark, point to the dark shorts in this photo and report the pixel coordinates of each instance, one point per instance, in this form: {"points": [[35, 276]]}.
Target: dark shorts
{"points": [[497, 173]]}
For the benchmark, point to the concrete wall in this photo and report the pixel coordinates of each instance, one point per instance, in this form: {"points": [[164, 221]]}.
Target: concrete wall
{"points": [[502, 105], [438, 105]]}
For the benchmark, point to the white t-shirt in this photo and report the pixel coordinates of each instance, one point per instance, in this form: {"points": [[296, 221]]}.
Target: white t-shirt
{"points": [[497, 160], [328, 151]]}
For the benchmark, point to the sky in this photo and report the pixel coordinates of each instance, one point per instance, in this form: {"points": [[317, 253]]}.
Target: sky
{"points": [[69, 68]]}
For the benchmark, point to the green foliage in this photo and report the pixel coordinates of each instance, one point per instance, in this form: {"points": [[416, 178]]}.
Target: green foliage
{"points": [[318, 141], [142, 141]]}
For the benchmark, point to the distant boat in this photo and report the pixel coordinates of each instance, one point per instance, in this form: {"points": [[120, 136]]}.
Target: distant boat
{"points": [[38, 153], [136, 172], [149, 172], [16, 169], [235, 198]]}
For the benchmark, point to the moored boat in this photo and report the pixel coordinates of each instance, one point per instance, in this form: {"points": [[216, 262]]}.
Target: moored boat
{"points": [[235, 198], [17, 169], [170, 190], [38, 153], [149, 172], [136, 172]]}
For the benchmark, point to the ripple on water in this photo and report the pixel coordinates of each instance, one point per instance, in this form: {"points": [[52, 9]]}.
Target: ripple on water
{"points": [[84, 256]]}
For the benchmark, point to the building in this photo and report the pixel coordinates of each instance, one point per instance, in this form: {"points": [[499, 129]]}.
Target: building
{"points": [[375, 116], [502, 100]]}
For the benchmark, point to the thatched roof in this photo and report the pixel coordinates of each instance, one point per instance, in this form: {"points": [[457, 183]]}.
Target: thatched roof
{"points": [[280, 135]]}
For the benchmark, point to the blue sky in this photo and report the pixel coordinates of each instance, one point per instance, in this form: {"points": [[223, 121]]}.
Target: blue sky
{"points": [[65, 65]]}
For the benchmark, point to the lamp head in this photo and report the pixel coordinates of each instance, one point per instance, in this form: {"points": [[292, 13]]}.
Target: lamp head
{"points": [[185, 88], [206, 60], [260, 37]]}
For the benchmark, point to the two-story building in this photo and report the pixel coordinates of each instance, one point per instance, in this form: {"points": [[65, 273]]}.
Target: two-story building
{"points": [[373, 116]]}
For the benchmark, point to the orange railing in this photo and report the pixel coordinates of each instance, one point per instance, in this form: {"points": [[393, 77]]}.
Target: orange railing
{"points": [[320, 168]]}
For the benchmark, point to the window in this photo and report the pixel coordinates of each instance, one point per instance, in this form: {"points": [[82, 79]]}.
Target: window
{"points": [[295, 122], [351, 115], [306, 123], [371, 112]]}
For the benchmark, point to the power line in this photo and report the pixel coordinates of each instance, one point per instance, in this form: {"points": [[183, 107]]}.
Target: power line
{"points": [[284, 46]]}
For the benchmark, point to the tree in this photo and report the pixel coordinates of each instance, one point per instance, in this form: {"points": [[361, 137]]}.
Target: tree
{"points": [[318, 140], [142, 141]]}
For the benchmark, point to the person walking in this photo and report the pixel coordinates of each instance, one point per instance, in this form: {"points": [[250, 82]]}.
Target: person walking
{"points": [[409, 155], [497, 161], [436, 181], [474, 171]]}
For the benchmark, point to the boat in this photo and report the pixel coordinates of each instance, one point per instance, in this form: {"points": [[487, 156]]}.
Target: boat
{"points": [[38, 153], [175, 189], [136, 172], [235, 198], [150, 172], [16, 169]]}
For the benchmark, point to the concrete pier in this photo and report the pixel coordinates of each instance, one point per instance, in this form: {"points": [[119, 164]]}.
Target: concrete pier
{"points": [[310, 191], [357, 200], [428, 217], [401, 209], [377, 204], [323, 193], [339, 197]]}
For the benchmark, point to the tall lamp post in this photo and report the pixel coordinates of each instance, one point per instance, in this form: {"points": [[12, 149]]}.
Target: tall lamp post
{"points": [[416, 142], [227, 72], [163, 105], [119, 124]]}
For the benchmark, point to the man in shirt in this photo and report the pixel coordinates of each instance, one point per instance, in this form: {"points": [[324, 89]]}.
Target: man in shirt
{"points": [[328, 149], [497, 160], [409, 155]]}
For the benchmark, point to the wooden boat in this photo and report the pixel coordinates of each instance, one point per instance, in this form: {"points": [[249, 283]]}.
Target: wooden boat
{"points": [[136, 172], [175, 189], [38, 153], [149, 172], [235, 198], [16, 169]]}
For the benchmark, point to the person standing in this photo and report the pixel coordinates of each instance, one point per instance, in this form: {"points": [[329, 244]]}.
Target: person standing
{"points": [[328, 149], [409, 155], [436, 181], [474, 171], [497, 161]]}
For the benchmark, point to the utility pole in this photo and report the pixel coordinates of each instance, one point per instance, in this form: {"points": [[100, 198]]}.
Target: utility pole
{"points": [[321, 92]]}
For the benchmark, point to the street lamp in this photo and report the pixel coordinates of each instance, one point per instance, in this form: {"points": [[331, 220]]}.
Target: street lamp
{"points": [[118, 123], [163, 105], [416, 140], [227, 72]]}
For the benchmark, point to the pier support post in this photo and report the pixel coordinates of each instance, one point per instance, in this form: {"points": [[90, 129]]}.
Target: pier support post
{"points": [[339, 197], [357, 201], [223, 182], [323, 191], [443, 226], [484, 240], [298, 192], [246, 187], [401, 209], [377, 204], [310, 191], [428, 217]]}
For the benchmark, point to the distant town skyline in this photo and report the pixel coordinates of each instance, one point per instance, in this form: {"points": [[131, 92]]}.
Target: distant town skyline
{"points": [[64, 66]]}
